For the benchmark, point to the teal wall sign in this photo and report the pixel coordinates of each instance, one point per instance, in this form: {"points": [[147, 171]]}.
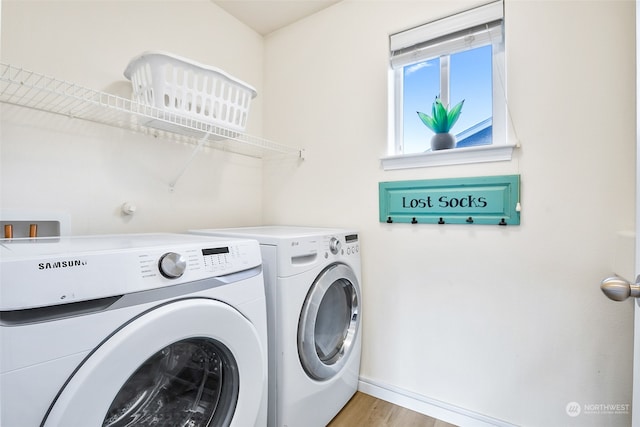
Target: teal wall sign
{"points": [[476, 200]]}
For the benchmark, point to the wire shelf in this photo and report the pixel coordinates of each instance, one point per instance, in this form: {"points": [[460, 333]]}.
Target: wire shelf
{"points": [[40, 92]]}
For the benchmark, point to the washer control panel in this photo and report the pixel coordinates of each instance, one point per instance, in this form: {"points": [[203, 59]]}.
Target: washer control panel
{"points": [[224, 258], [42, 272], [208, 261]]}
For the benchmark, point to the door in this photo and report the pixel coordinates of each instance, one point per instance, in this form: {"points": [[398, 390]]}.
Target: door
{"points": [[193, 362], [329, 322], [618, 288]]}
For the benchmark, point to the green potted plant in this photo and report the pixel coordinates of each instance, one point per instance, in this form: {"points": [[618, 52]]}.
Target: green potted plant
{"points": [[441, 121]]}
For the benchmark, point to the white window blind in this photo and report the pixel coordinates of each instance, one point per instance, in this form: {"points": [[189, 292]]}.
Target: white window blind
{"points": [[473, 28]]}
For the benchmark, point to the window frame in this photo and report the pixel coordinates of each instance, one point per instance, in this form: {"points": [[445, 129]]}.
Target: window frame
{"points": [[414, 43]]}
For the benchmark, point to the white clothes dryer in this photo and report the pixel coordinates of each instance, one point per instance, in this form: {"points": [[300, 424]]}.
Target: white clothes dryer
{"points": [[312, 279], [132, 330]]}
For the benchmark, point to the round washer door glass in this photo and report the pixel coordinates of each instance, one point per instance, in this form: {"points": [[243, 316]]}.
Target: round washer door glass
{"points": [[188, 363], [192, 382], [329, 322]]}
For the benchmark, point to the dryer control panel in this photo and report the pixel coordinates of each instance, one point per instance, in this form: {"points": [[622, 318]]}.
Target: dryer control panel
{"points": [[298, 254], [341, 245], [352, 245]]}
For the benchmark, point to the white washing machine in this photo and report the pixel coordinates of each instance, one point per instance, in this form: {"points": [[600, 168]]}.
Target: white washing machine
{"points": [[312, 278], [132, 330]]}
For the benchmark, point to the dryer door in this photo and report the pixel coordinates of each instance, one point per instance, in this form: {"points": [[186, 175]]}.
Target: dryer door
{"points": [[193, 362], [329, 322]]}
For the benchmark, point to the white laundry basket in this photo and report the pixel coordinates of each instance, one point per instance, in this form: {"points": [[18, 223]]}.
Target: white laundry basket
{"points": [[171, 83]]}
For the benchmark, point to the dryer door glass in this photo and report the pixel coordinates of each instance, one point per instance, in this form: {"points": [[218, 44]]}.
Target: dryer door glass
{"points": [[188, 383], [329, 322], [333, 321]]}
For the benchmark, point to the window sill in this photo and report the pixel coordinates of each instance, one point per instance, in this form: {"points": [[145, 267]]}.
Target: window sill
{"points": [[457, 156]]}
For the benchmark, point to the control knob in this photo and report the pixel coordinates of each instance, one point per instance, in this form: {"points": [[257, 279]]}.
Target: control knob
{"points": [[172, 265], [334, 245]]}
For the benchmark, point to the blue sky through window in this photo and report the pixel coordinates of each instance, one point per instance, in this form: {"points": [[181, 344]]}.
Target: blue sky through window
{"points": [[470, 79]]}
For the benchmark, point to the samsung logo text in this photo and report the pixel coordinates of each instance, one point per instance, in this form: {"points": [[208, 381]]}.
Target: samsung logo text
{"points": [[61, 264]]}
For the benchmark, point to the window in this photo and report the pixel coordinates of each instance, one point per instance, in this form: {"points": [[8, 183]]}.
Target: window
{"points": [[456, 59]]}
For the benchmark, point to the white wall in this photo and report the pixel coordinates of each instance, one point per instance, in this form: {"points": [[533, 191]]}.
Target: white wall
{"points": [[507, 322], [88, 171]]}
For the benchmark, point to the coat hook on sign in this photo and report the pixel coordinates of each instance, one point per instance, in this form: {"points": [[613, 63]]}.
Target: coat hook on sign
{"points": [[470, 220], [414, 220], [441, 221], [389, 220], [502, 222]]}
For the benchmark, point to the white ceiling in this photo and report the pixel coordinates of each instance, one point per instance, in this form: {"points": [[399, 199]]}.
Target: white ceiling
{"points": [[266, 16]]}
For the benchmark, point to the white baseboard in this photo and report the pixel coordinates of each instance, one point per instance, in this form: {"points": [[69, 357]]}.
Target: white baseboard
{"points": [[427, 406]]}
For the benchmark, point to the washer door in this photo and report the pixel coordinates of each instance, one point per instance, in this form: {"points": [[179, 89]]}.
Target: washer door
{"points": [[193, 362], [329, 322]]}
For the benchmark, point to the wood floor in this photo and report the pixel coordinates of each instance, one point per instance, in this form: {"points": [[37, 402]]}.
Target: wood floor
{"points": [[364, 410]]}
